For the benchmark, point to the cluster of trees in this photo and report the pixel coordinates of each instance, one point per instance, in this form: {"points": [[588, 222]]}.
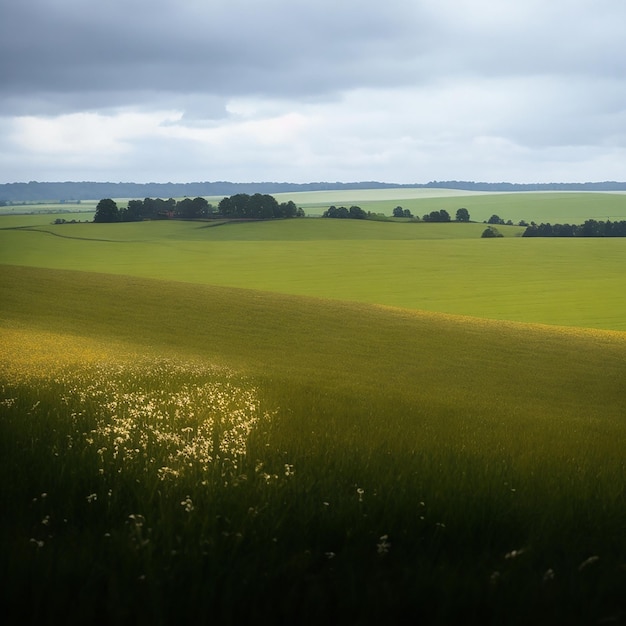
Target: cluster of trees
{"points": [[591, 228], [353, 213], [496, 219], [400, 212], [356, 212], [462, 215], [152, 208], [437, 216], [257, 206]]}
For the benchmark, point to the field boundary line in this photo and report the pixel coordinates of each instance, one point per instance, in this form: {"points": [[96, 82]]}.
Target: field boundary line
{"points": [[48, 232]]}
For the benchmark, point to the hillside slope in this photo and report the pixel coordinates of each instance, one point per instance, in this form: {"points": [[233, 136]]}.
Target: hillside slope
{"points": [[369, 349], [443, 468]]}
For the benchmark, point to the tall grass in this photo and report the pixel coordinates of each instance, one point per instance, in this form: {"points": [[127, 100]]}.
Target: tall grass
{"points": [[387, 465]]}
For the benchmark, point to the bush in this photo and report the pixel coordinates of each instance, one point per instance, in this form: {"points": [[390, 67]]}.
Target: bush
{"points": [[491, 232]]}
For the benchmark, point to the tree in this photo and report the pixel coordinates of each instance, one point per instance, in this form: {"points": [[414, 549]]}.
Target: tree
{"points": [[495, 219], [257, 206], [133, 212], [400, 212], [437, 216], [263, 206], [288, 209], [338, 213], [235, 206], [357, 213], [106, 211], [225, 207], [200, 206], [491, 232], [149, 207], [192, 208], [462, 215], [184, 208]]}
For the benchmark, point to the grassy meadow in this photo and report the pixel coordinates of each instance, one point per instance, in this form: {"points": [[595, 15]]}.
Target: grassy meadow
{"points": [[421, 266], [311, 421]]}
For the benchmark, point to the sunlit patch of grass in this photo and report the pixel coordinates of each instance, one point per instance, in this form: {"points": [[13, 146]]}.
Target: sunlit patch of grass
{"points": [[156, 414]]}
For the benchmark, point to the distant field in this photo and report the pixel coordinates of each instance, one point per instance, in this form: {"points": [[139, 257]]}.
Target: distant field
{"points": [[553, 207], [434, 267], [86, 207]]}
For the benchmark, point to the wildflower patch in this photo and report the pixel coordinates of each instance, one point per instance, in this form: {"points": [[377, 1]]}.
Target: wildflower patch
{"points": [[148, 414]]}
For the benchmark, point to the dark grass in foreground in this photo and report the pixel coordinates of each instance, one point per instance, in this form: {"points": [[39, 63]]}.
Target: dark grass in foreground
{"points": [[404, 467]]}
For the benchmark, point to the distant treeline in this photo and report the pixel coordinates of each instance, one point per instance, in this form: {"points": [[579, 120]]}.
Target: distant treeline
{"points": [[257, 206], [608, 185], [78, 191], [357, 213], [591, 228], [11, 193]]}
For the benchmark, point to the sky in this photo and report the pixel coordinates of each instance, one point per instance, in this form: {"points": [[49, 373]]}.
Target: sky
{"points": [[404, 91]]}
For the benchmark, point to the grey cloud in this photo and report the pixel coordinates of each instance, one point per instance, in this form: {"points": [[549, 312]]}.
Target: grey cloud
{"points": [[76, 54], [114, 49]]}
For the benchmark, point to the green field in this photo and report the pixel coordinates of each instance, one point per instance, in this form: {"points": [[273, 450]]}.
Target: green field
{"points": [[311, 421], [435, 267]]}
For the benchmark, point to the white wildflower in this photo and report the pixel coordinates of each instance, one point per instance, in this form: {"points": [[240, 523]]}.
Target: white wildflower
{"points": [[587, 562], [382, 547], [187, 504], [513, 554]]}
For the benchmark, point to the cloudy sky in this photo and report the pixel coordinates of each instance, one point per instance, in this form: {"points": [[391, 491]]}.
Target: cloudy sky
{"points": [[308, 90]]}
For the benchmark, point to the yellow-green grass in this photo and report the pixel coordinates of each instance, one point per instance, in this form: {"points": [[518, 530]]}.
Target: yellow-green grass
{"points": [[435, 267], [408, 465]]}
